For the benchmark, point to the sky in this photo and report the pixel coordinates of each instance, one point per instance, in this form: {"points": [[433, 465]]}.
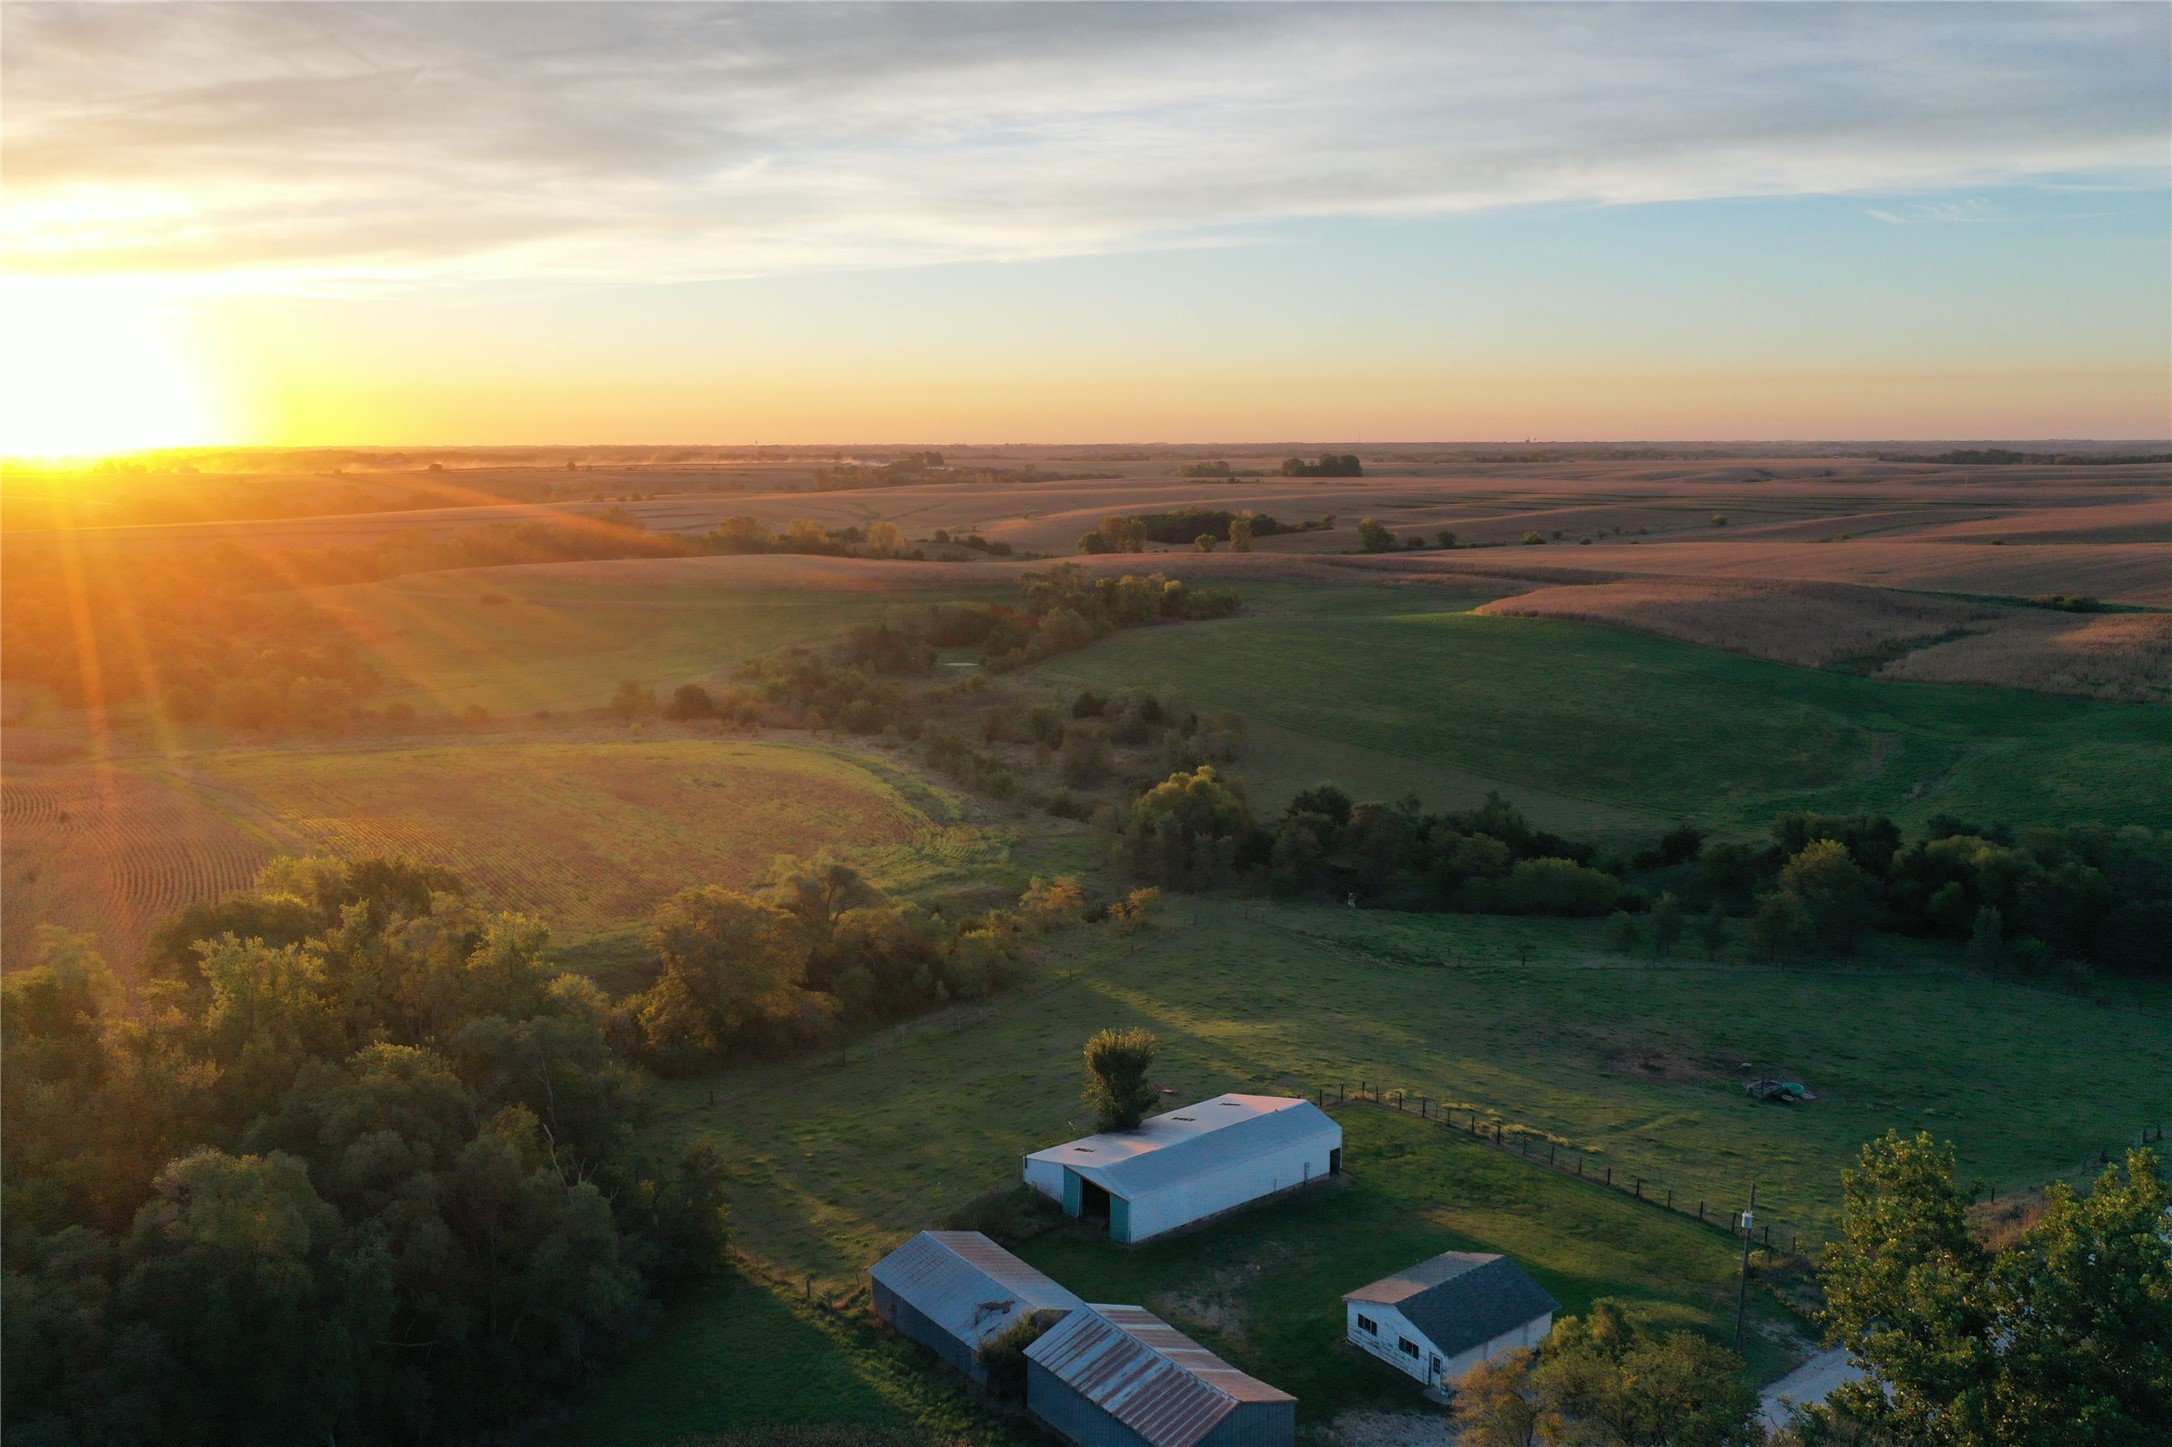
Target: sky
{"points": [[408, 224]]}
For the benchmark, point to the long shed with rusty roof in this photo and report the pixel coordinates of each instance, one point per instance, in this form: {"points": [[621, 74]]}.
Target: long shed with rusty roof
{"points": [[1188, 1164], [952, 1291], [1120, 1376]]}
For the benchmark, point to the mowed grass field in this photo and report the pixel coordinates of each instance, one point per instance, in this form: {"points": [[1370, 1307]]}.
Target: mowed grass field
{"points": [[1534, 1024], [561, 637], [592, 836], [1614, 732], [1264, 1288]]}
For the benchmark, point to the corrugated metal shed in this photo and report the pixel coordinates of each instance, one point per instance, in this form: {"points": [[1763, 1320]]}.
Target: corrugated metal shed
{"points": [[1164, 1387], [1461, 1299], [1198, 1140], [965, 1286]]}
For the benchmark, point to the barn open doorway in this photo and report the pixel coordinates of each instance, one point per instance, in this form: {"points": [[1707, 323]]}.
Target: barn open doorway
{"points": [[1093, 1201], [1334, 1161]]}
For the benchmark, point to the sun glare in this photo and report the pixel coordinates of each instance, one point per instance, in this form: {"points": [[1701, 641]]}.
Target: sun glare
{"points": [[94, 367]]}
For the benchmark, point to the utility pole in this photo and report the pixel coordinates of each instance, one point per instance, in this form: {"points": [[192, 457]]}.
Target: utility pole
{"points": [[1742, 1289]]}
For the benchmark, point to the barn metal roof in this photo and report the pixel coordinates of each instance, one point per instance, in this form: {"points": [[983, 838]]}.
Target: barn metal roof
{"points": [[1146, 1374], [967, 1284], [1461, 1299], [1180, 1145]]}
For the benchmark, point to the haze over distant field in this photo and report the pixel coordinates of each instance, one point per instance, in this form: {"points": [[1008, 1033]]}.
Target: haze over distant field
{"points": [[600, 223]]}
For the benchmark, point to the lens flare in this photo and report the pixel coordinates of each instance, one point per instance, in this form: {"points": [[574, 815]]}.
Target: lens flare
{"points": [[93, 367]]}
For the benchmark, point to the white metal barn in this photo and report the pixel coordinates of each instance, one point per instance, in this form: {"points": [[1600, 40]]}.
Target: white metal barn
{"points": [[1189, 1164], [1440, 1318]]}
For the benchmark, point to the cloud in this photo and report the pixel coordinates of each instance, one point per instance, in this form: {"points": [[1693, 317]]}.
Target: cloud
{"points": [[401, 144]]}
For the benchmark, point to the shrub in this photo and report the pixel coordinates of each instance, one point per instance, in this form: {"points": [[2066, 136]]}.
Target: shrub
{"points": [[1557, 886], [1116, 1084]]}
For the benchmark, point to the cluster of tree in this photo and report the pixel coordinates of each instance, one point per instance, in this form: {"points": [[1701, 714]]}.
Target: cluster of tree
{"points": [[184, 634], [1199, 526], [2033, 899], [355, 1164], [1488, 859], [2064, 1336], [2068, 602], [2004, 457], [974, 541], [849, 685], [779, 969], [915, 467], [1331, 464], [1606, 1380], [1204, 469]]}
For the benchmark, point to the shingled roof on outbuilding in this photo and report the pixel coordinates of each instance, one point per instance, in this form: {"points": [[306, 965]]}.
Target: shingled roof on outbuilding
{"points": [[1461, 1299]]}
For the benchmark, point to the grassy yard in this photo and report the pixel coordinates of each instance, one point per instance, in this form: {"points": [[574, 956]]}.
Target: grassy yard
{"points": [[1530, 1022], [1611, 731], [1264, 1287], [747, 1354]]}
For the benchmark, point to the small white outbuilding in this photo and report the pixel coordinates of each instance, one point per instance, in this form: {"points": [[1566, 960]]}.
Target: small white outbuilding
{"points": [[1438, 1319], [1189, 1164]]}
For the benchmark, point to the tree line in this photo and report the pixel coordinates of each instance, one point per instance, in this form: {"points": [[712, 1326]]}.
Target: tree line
{"points": [[2049, 902], [356, 1163]]}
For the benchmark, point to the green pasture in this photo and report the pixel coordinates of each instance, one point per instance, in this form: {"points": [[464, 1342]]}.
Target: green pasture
{"points": [[1264, 1287], [1534, 1024], [563, 638], [1615, 732], [746, 1353]]}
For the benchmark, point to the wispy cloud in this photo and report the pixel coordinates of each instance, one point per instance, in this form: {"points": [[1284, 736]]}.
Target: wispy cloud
{"points": [[404, 143]]}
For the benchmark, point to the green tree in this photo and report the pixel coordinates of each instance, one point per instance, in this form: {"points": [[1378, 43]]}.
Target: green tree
{"points": [[1712, 931], [1240, 535], [1778, 925], [1116, 1084], [1374, 537], [1616, 1384], [1838, 896], [732, 971], [1203, 543], [1625, 933], [1987, 940], [1183, 832], [1666, 925], [1498, 1405]]}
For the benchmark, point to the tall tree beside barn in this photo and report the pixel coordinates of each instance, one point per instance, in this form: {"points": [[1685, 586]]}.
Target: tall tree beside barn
{"points": [[1116, 1086]]}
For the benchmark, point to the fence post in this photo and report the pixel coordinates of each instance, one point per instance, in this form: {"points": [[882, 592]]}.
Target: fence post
{"points": [[1640, 1188], [1551, 1147], [1610, 1175], [1700, 1210], [1670, 1198], [1579, 1168]]}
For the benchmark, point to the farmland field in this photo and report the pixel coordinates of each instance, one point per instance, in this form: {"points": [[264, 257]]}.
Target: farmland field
{"points": [[593, 836], [112, 850], [562, 636], [1596, 727], [843, 1156]]}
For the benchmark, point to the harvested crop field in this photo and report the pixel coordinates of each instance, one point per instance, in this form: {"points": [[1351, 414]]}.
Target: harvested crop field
{"points": [[1815, 625], [2126, 656], [111, 850], [593, 836], [1917, 637]]}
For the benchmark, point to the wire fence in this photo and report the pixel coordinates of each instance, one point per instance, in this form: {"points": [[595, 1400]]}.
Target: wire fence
{"points": [[1776, 1235]]}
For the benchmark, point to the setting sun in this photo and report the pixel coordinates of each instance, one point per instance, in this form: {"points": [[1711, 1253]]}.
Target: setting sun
{"points": [[96, 368]]}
